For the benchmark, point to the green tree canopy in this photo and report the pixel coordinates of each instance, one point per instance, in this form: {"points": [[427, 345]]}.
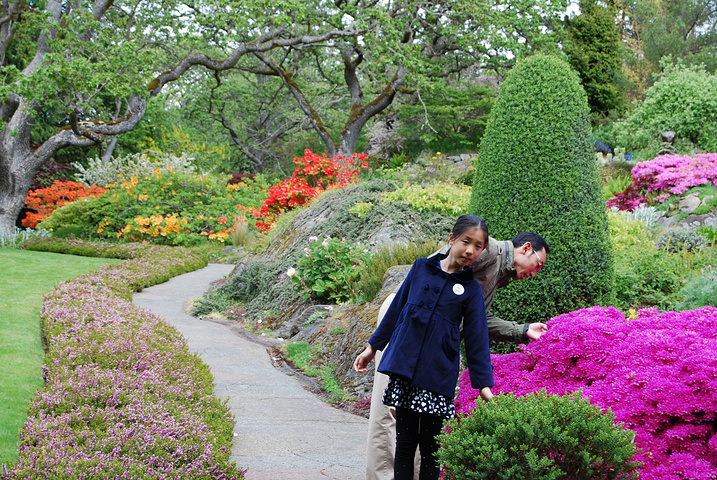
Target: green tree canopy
{"points": [[593, 49]]}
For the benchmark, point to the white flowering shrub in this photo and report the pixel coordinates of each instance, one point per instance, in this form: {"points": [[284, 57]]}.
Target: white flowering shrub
{"points": [[102, 173]]}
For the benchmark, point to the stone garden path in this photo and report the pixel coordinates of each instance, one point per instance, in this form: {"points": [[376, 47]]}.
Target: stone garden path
{"points": [[283, 431]]}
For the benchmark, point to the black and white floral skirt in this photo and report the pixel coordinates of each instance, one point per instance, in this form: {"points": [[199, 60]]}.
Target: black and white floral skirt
{"points": [[400, 393]]}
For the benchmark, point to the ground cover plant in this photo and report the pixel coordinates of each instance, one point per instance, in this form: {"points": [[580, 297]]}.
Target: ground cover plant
{"points": [[123, 395], [656, 372], [654, 181], [26, 277]]}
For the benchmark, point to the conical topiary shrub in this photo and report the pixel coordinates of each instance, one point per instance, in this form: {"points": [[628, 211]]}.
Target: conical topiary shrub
{"points": [[536, 171]]}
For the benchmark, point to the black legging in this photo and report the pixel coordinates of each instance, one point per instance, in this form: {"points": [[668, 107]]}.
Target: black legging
{"points": [[412, 430]]}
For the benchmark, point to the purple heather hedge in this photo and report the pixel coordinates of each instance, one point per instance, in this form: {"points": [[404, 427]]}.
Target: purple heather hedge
{"points": [[124, 397]]}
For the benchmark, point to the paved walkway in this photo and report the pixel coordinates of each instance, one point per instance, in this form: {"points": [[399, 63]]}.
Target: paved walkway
{"points": [[282, 432]]}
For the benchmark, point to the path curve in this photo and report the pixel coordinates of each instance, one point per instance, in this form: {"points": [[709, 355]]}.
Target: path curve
{"points": [[282, 431]]}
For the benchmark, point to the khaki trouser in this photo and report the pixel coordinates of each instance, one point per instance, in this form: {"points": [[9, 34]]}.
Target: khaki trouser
{"points": [[381, 445]]}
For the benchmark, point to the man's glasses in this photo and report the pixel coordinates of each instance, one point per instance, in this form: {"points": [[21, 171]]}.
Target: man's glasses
{"points": [[540, 260]]}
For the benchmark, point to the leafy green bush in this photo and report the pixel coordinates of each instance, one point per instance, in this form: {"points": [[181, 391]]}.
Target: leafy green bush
{"points": [[682, 99], [536, 171], [700, 290], [445, 198], [371, 273], [643, 277], [329, 268], [710, 233], [539, 437], [681, 238]]}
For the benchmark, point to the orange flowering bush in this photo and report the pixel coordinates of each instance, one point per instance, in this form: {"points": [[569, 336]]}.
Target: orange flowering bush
{"points": [[313, 174], [42, 202]]}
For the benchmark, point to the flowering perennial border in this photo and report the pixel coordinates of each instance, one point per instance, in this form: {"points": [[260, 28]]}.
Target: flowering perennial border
{"points": [[657, 372], [124, 397]]}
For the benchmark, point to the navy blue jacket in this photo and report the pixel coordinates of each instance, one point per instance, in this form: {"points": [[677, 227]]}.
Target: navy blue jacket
{"points": [[421, 328]]}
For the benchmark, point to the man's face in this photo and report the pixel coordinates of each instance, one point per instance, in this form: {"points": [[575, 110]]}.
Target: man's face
{"points": [[528, 261]]}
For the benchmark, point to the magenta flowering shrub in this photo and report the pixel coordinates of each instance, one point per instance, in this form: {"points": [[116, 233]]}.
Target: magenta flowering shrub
{"points": [[664, 176], [124, 396], [657, 373]]}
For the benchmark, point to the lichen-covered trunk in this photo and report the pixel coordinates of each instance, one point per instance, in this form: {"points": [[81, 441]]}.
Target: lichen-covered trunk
{"points": [[15, 181]]}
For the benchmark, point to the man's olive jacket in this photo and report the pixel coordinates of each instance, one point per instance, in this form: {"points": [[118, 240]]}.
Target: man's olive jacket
{"points": [[494, 269]]}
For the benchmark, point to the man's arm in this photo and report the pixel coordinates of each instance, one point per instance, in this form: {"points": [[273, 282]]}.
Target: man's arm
{"points": [[504, 331]]}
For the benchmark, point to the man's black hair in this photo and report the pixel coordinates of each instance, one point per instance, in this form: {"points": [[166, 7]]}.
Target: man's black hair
{"points": [[535, 240]]}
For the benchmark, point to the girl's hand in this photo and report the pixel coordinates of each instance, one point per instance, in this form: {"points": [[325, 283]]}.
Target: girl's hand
{"points": [[364, 358], [486, 394]]}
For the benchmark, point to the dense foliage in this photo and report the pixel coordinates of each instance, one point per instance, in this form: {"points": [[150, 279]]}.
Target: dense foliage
{"points": [[593, 50], [537, 172], [538, 436], [655, 371], [124, 397]]}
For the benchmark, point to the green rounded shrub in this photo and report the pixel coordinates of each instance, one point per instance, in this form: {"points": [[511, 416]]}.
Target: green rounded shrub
{"points": [[539, 437], [537, 172]]}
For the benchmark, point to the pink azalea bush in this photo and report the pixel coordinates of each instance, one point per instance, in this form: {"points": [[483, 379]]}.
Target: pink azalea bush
{"points": [[124, 397], [664, 176], [656, 372]]}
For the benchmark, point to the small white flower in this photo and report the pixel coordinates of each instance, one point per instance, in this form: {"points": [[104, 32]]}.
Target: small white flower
{"points": [[330, 308], [313, 239], [291, 272], [324, 244]]}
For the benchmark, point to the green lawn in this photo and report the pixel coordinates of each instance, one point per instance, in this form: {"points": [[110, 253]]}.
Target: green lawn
{"points": [[26, 277]]}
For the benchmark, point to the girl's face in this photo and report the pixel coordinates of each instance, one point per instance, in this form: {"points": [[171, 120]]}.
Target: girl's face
{"points": [[467, 247]]}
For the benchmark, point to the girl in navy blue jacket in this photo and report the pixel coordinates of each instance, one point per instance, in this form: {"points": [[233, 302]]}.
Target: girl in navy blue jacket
{"points": [[422, 331]]}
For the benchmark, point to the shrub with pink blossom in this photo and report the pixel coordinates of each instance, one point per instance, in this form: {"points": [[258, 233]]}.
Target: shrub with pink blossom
{"points": [[124, 396], [657, 179], [657, 373]]}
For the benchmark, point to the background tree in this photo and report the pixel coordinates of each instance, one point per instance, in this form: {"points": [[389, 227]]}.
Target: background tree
{"points": [[592, 46], [405, 47], [450, 120], [536, 171], [652, 29]]}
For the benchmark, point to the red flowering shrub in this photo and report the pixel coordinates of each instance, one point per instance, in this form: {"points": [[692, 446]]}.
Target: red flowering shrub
{"points": [[312, 175], [43, 201], [657, 373]]}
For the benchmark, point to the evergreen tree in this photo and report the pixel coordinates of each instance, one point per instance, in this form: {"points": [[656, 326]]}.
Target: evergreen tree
{"points": [[592, 46], [537, 172]]}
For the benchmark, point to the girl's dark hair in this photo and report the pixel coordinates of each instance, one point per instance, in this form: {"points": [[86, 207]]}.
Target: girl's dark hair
{"points": [[467, 222]]}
